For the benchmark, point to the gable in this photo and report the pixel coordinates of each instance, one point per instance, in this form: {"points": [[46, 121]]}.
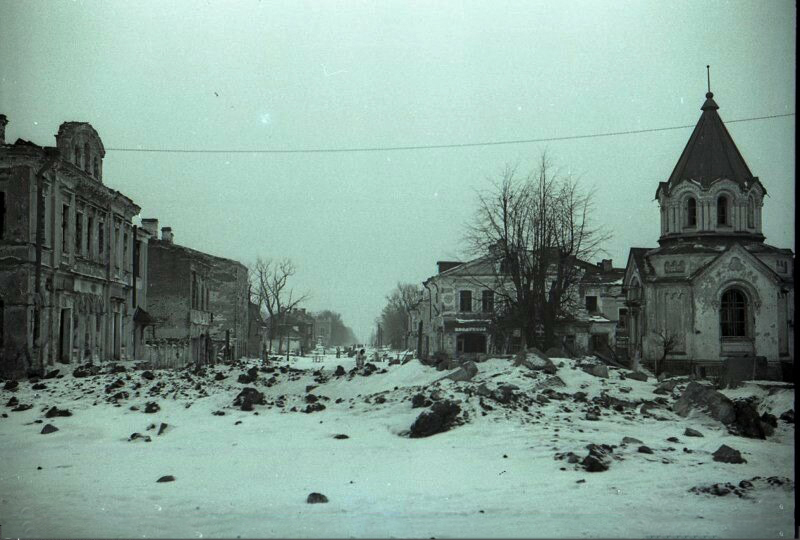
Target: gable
{"points": [[735, 263]]}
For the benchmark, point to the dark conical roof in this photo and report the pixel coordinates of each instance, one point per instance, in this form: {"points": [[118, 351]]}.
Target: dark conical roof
{"points": [[711, 153]]}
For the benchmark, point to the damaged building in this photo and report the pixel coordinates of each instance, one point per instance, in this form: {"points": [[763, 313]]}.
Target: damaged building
{"points": [[712, 290], [456, 315], [199, 303], [69, 280]]}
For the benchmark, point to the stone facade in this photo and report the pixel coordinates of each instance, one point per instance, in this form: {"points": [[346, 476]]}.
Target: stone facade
{"points": [[68, 280], [712, 289]]}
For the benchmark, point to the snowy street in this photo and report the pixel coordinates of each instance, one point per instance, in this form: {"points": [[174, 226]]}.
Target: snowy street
{"points": [[248, 473]]}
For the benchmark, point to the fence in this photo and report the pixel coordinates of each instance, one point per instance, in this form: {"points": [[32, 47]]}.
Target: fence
{"points": [[167, 354]]}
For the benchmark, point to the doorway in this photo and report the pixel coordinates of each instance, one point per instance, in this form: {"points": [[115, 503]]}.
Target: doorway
{"points": [[471, 342]]}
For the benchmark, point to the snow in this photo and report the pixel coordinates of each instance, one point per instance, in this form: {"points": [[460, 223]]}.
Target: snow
{"points": [[252, 479]]}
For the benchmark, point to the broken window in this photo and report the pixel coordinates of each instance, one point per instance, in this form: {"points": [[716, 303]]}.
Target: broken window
{"points": [[622, 321], [733, 314], [591, 304], [465, 301]]}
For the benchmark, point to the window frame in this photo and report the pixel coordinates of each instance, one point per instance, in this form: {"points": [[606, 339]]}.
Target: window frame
{"points": [[733, 314], [465, 297]]}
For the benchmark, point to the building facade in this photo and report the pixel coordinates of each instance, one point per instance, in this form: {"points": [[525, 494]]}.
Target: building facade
{"points": [[198, 303], [68, 280], [457, 314], [712, 289]]}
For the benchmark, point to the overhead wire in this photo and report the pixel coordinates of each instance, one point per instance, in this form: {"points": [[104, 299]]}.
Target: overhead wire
{"points": [[426, 146]]}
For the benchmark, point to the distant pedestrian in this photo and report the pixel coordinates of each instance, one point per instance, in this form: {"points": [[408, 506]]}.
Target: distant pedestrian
{"points": [[361, 357], [338, 352]]}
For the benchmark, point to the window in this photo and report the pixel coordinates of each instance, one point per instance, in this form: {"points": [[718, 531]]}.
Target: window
{"points": [[2, 214], [77, 156], [691, 212], [733, 314], [96, 167], [782, 266], [86, 160], [622, 322], [591, 304], [89, 236], [722, 210], [465, 303], [117, 249], [65, 228], [194, 290], [751, 213], [487, 301], [101, 239], [137, 258], [79, 233], [208, 297], [125, 249]]}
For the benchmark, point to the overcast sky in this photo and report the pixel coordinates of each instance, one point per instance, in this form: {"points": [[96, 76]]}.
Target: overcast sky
{"points": [[295, 75]]}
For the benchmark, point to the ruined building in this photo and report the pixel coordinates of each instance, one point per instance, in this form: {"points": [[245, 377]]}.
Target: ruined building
{"points": [[713, 289], [199, 303], [68, 253]]}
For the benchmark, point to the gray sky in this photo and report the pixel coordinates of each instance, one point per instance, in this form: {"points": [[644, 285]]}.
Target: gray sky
{"points": [[289, 75]]}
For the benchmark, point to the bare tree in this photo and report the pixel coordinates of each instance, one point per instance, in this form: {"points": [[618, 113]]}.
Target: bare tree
{"points": [[669, 340], [269, 289], [535, 232], [395, 316]]}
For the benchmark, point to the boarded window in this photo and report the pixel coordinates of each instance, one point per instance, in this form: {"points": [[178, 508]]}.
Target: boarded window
{"points": [[591, 303]]}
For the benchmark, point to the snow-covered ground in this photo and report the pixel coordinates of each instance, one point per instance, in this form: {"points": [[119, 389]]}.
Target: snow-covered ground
{"points": [[247, 474]]}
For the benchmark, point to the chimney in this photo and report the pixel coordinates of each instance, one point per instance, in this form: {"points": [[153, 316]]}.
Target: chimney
{"points": [[3, 122], [606, 265], [166, 234], [151, 226]]}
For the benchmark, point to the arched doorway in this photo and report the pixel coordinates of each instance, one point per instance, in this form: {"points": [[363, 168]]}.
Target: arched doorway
{"points": [[471, 342], [735, 323]]}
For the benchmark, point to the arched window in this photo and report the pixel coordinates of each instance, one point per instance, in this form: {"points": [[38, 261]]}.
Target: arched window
{"points": [[722, 210], [691, 212], [751, 213], [86, 159], [96, 167], [733, 314], [78, 156]]}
